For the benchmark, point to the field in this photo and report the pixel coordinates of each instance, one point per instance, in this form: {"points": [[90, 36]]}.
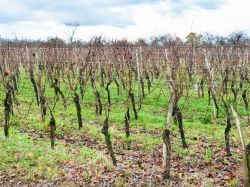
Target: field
{"points": [[80, 156]]}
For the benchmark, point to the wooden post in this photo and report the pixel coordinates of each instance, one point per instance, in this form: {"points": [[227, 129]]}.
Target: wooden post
{"points": [[211, 75], [195, 70], [138, 78], [166, 150], [245, 149]]}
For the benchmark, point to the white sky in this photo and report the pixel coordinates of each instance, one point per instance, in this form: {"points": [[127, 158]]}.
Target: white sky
{"points": [[119, 19]]}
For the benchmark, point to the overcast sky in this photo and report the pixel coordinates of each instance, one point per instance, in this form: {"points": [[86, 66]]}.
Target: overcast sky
{"points": [[40, 19]]}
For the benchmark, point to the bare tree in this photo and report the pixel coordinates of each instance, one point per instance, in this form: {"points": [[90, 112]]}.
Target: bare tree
{"points": [[71, 32]]}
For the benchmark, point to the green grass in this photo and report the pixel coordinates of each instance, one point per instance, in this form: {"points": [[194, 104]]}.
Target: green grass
{"points": [[31, 157]]}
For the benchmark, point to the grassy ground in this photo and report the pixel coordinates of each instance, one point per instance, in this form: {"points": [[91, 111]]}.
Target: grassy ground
{"points": [[81, 157]]}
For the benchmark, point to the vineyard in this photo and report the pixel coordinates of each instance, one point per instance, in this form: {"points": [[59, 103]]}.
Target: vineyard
{"points": [[123, 115]]}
